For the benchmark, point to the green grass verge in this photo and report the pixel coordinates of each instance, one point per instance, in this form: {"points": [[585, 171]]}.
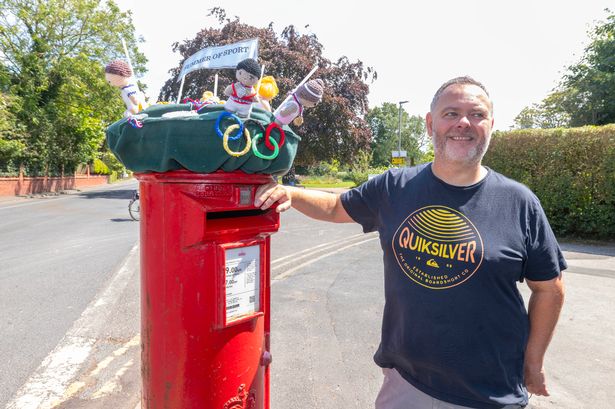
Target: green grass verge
{"points": [[326, 183]]}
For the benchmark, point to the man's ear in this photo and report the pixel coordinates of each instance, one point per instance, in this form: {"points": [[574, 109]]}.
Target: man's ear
{"points": [[429, 123]]}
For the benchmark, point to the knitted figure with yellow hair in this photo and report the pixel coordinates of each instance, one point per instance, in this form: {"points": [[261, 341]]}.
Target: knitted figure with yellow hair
{"points": [[267, 91]]}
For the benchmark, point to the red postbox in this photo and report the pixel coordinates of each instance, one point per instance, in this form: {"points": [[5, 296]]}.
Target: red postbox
{"points": [[205, 290]]}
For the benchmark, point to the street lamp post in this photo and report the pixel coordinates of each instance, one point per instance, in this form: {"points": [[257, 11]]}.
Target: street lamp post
{"points": [[399, 127]]}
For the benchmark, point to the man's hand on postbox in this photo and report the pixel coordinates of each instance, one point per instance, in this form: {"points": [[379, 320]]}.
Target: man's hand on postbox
{"points": [[270, 194]]}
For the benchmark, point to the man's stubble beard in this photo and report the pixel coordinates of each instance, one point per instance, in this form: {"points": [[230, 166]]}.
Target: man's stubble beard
{"points": [[474, 156]]}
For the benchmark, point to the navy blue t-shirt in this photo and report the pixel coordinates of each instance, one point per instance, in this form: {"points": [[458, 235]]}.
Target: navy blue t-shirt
{"points": [[454, 323]]}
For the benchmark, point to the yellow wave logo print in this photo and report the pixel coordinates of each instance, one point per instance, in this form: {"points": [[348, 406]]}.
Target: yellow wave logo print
{"points": [[438, 247], [432, 263]]}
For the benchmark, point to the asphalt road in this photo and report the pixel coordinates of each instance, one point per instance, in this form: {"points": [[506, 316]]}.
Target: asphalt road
{"points": [[326, 308], [56, 253]]}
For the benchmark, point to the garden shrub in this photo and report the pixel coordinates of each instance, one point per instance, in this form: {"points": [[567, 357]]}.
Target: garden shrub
{"points": [[100, 168], [572, 171]]}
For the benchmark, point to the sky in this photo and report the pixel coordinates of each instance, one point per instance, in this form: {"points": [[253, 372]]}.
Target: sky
{"points": [[518, 49]]}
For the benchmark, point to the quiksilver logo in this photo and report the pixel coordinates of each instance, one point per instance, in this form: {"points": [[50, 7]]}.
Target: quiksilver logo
{"points": [[438, 247]]}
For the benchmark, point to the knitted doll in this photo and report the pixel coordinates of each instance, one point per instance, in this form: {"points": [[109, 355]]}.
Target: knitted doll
{"points": [[119, 74], [242, 93], [209, 98], [267, 91], [307, 95]]}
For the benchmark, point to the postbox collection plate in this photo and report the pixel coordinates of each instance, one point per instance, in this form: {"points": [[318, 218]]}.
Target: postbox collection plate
{"points": [[241, 283]]}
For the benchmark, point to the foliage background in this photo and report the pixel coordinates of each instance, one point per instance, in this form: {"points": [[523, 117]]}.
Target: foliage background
{"points": [[54, 99], [572, 171], [386, 129]]}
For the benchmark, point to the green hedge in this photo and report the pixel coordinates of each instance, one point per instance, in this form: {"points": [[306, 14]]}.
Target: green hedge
{"points": [[572, 171]]}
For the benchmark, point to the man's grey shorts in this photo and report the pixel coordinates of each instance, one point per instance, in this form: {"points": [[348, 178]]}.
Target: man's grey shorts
{"points": [[397, 393]]}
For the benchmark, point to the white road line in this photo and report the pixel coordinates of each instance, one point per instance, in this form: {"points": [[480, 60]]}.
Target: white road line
{"points": [[49, 382], [315, 250], [287, 273], [331, 243]]}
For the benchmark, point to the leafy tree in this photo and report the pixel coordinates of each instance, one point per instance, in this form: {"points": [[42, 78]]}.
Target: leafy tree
{"points": [[52, 55], [529, 117], [585, 94], [334, 129], [5, 78], [588, 86], [547, 114], [12, 147], [384, 123]]}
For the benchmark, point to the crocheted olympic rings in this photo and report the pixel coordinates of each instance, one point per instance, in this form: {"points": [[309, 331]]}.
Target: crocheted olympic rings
{"points": [[256, 123], [225, 139], [275, 153], [268, 133], [223, 115]]}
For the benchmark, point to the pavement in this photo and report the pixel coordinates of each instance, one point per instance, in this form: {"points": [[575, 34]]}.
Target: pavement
{"points": [[7, 201]]}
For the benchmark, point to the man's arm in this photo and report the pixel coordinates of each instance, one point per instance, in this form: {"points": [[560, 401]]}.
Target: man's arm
{"points": [[313, 203], [544, 308]]}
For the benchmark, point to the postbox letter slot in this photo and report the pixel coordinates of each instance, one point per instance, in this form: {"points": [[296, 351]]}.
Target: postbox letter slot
{"points": [[240, 220], [235, 213]]}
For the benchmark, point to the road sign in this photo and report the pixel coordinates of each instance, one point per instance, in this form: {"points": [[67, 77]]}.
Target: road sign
{"points": [[398, 161]]}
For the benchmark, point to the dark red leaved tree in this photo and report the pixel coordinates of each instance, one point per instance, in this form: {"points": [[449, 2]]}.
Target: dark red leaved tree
{"points": [[334, 129]]}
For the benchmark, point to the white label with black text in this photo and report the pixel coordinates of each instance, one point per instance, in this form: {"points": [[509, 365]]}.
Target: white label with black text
{"points": [[242, 278]]}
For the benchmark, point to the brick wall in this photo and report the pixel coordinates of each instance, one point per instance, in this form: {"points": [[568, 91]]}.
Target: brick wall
{"points": [[27, 185]]}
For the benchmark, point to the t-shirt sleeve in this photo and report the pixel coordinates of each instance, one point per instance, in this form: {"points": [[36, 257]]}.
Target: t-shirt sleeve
{"points": [[363, 203], [544, 256]]}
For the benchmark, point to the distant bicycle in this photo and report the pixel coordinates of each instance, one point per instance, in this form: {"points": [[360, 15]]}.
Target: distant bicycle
{"points": [[134, 207]]}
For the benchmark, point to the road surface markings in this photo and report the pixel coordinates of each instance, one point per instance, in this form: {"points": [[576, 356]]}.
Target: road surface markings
{"points": [[312, 250], [77, 386], [287, 273], [113, 385], [50, 381]]}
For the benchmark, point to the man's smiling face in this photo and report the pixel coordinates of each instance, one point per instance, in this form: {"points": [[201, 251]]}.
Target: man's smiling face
{"points": [[460, 124]]}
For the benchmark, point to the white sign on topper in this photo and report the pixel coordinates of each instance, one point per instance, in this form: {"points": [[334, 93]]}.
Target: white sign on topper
{"points": [[242, 281], [224, 56]]}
